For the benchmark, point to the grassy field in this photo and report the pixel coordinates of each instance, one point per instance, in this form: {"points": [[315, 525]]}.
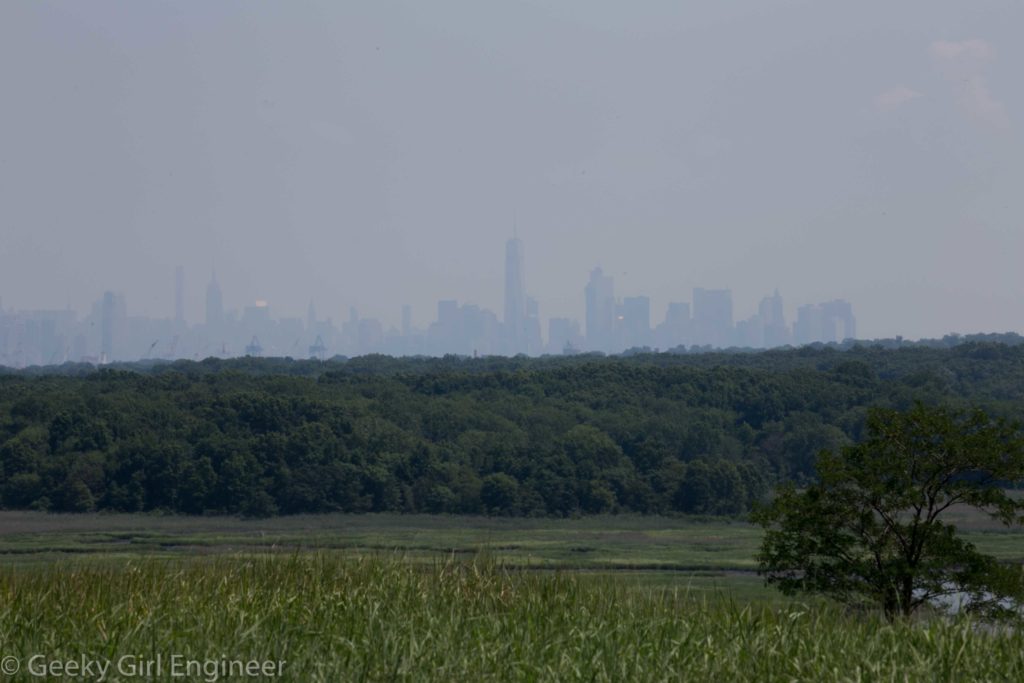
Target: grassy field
{"points": [[390, 597], [335, 618], [611, 542], [714, 554]]}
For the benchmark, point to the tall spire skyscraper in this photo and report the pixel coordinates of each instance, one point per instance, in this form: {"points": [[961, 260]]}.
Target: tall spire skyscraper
{"points": [[515, 297], [600, 303]]}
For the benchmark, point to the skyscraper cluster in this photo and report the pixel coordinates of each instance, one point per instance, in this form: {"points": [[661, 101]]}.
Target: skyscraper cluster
{"points": [[610, 325], [707, 321]]}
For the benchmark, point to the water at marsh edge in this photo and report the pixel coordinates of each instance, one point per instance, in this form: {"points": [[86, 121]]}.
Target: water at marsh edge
{"points": [[955, 603]]}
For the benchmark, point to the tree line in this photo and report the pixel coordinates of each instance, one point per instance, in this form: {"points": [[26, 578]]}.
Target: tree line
{"points": [[647, 433]]}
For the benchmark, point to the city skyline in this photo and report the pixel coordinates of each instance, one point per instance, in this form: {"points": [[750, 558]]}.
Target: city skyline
{"points": [[187, 297], [373, 161], [611, 323]]}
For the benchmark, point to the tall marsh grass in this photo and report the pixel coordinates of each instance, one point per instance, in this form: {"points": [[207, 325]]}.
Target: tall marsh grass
{"points": [[379, 618]]}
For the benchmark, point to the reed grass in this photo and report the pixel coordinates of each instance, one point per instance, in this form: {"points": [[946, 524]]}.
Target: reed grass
{"points": [[380, 618]]}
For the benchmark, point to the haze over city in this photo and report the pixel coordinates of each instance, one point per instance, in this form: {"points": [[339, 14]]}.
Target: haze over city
{"points": [[529, 340], [377, 155]]}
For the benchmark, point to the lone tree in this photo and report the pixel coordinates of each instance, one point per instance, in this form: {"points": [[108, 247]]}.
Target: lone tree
{"points": [[873, 530]]}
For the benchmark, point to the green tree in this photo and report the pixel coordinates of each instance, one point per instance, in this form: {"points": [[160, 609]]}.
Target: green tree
{"points": [[499, 494], [872, 529], [598, 497], [695, 494], [591, 449]]}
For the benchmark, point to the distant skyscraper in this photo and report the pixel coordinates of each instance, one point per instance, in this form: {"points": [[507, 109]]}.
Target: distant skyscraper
{"points": [[179, 295], [841, 324], [712, 317], [750, 333], [256, 318], [770, 310], [677, 328], [214, 304], [600, 300], [466, 329], [636, 321], [370, 336], [531, 339], [773, 321], [808, 326], [515, 298], [832, 321], [473, 330], [446, 333]]}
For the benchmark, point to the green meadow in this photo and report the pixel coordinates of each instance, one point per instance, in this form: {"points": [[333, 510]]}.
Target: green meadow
{"points": [[421, 598], [333, 618], [673, 545]]}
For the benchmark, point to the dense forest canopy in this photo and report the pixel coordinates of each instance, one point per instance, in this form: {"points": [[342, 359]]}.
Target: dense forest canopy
{"points": [[706, 433]]}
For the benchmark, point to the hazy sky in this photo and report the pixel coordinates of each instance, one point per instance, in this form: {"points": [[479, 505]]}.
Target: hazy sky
{"points": [[374, 153]]}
